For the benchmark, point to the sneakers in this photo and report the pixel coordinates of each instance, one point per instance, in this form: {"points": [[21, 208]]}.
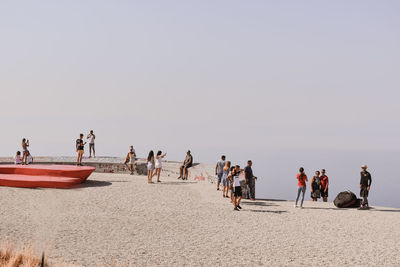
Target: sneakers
{"points": [[236, 209], [238, 206]]}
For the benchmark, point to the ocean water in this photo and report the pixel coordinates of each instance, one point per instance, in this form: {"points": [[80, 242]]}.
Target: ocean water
{"points": [[277, 169]]}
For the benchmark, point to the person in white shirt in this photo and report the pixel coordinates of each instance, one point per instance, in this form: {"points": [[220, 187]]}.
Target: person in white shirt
{"points": [[219, 170], [91, 136], [158, 164], [237, 188], [17, 158]]}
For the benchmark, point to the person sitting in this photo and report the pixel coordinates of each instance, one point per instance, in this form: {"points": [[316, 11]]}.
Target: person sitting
{"points": [[17, 158], [183, 170]]}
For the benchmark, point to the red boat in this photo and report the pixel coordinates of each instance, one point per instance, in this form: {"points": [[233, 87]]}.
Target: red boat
{"points": [[50, 176]]}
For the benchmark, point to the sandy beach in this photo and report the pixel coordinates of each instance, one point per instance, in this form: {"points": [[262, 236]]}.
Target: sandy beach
{"points": [[118, 218]]}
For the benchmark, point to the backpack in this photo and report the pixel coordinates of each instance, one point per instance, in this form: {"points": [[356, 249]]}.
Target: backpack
{"points": [[347, 199]]}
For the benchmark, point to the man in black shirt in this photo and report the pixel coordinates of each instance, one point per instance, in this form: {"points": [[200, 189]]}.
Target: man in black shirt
{"points": [[249, 178], [365, 185]]}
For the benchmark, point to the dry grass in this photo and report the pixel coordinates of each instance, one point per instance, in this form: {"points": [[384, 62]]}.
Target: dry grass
{"points": [[10, 257]]}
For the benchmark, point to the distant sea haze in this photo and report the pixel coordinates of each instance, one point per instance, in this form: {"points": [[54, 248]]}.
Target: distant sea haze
{"points": [[277, 173]]}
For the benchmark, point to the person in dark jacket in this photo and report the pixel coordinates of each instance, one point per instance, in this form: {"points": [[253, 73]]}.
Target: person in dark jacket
{"points": [[365, 185]]}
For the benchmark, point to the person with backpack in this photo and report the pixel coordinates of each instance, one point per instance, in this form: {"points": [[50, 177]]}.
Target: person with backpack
{"points": [[316, 187], [324, 186], [365, 186], [302, 179]]}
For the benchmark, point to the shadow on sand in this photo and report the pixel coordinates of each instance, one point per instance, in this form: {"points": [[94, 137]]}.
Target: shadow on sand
{"points": [[94, 183], [259, 203], [266, 211]]}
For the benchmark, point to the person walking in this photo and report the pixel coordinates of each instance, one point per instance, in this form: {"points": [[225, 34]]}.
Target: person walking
{"points": [[25, 151], [158, 164], [131, 159], [183, 170], [237, 188], [302, 179], [249, 178], [365, 186], [150, 167], [324, 185], [316, 186], [91, 136], [80, 146], [219, 170], [225, 180]]}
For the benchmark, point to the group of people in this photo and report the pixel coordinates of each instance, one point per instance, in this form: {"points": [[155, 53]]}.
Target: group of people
{"points": [[154, 165], [320, 186], [26, 155], [229, 177], [80, 147]]}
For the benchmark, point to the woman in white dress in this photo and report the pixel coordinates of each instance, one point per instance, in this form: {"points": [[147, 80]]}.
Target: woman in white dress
{"points": [[159, 158], [150, 167], [131, 159]]}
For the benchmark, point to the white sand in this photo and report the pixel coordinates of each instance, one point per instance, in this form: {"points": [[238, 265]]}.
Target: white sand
{"points": [[121, 218]]}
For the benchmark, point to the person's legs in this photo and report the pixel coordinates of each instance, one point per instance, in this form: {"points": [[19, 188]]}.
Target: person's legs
{"points": [[158, 174], [180, 172], [219, 177], [185, 171], [131, 168], [94, 152], [90, 150], [298, 195], [303, 189], [238, 201]]}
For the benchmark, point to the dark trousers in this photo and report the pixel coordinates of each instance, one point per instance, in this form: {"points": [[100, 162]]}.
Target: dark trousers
{"points": [[250, 188]]}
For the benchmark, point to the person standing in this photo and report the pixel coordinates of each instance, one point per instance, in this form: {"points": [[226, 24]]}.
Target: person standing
{"points": [[91, 136], [237, 188], [249, 178], [302, 179], [225, 179], [25, 151], [365, 186], [158, 163], [150, 167], [183, 170], [131, 159], [80, 145], [316, 186], [219, 170], [324, 186]]}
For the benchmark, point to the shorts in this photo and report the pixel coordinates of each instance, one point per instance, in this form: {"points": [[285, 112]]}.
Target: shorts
{"points": [[131, 161], [323, 193], [187, 167], [158, 166], [91, 146], [150, 166], [219, 175], [80, 151], [364, 192], [225, 182], [238, 191]]}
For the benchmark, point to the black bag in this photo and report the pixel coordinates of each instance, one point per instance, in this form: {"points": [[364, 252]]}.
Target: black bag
{"points": [[347, 200]]}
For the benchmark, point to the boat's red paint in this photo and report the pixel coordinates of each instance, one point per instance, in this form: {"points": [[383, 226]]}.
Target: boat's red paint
{"points": [[54, 176]]}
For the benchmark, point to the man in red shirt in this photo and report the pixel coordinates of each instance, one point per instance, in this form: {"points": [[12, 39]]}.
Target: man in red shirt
{"points": [[324, 186]]}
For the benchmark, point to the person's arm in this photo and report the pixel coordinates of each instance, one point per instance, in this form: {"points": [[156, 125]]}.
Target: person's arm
{"points": [[216, 168], [76, 145], [361, 180], [88, 136], [163, 156], [127, 158], [94, 137], [327, 184]]}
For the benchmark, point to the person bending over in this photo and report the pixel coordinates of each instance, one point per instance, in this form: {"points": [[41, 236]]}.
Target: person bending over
{"points": [[183, 170]]}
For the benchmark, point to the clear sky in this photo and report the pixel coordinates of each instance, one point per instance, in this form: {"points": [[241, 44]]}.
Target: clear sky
{"points": [[212, 76]]}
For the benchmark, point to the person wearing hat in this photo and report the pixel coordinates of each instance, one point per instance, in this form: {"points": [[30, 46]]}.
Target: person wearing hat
{"points": [[365, 185]]}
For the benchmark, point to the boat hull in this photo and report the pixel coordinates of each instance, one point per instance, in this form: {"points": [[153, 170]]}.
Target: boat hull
{"points": [[48, 176]]}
